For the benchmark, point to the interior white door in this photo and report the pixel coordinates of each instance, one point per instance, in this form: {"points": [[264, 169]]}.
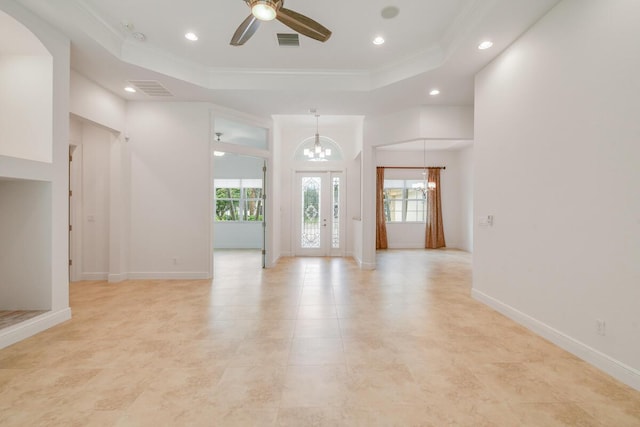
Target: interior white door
{"points": [[319, 214]]}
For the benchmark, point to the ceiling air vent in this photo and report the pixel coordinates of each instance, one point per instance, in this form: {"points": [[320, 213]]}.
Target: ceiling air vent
{"points": [[288, 40], [150, 87]]}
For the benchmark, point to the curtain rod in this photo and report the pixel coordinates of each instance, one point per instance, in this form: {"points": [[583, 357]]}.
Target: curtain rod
{"points": [[413, 167]]}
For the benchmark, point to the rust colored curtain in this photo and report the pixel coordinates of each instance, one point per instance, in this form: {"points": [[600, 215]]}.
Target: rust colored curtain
{"points": [[435, 230], [381, 224]]}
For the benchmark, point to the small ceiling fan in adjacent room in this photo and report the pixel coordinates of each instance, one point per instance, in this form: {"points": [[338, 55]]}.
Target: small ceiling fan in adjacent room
{"points": [[268, 10]]}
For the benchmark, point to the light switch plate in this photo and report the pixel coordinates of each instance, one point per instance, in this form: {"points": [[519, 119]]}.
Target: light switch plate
{"points": [[485, 221]]}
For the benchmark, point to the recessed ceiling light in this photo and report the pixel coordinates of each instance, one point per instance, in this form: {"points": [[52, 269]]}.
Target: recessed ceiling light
{"points": [[130, 89], [434, 92], [485, 45], [378, 40], [191, 36], [139, 36], [218, 153]]}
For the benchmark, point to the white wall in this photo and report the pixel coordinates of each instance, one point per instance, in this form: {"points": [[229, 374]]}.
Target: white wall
{"points": [[355, 204], [275, 205], [91, 201], [454, 196], [170, 189], [465, 158], [346, 131], [426, 122], [152, 185], [25, 252], [26, 119], [243, 235], [96, 104], [234, 235], [98, 125], [446, 122], [55, 173], [557, 164], [119, 208]]}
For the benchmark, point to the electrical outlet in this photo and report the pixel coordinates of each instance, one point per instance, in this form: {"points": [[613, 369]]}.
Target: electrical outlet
{"points": [[601, 327]]}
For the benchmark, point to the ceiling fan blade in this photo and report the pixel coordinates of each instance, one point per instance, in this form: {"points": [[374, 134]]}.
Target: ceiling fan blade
{"points": [[303, 24], [245, 31]]}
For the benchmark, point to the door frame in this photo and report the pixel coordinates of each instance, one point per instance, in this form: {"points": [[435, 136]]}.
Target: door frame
{"points": [[75, 212], [266, 188], [329, 252]]}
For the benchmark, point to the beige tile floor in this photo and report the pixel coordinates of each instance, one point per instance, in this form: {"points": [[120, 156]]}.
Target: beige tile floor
{"points": [[311, 342]]}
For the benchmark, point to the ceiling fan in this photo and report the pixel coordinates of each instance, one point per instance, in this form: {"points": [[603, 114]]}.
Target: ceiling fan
{"points": [[267, 10]]}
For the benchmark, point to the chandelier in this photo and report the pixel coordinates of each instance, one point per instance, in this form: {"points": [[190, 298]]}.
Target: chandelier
{"points": [[317, 152], [425, 186]]}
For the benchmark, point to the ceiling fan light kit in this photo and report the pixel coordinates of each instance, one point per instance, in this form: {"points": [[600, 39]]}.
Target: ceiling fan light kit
{"points": [[264, 10], [267, 10]]}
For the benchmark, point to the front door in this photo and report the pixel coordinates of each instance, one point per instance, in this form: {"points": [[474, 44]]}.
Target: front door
{"points": [[319, 214]]}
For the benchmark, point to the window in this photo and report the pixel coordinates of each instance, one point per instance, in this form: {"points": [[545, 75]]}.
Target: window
{"points": [[238, 199], [403, 200]]}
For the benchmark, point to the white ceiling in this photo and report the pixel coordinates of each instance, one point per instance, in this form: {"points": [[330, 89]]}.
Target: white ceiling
{"points": [[431, 43]]}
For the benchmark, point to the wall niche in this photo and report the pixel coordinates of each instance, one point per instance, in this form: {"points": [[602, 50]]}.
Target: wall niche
{"points": [[26, 182]]}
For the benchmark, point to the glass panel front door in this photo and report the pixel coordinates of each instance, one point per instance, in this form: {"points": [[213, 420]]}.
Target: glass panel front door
{"points": [[311, 206], [318, 214]]}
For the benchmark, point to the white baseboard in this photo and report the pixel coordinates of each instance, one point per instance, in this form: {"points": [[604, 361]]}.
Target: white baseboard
{"points": [[273, 262], [117, 278], [183, 275], [367, 265], [364, 265], [28, 328], [361, 265], [406, 245], [611, 366], [94, 276]]}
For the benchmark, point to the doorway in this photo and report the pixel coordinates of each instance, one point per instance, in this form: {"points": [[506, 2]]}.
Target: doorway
{"points": [[239, 208], [319, 213]]}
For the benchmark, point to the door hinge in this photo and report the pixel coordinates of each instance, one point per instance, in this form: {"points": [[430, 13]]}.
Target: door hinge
{"points": [[70, 227], [264, 252], [70, 193], [70, 263]]}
